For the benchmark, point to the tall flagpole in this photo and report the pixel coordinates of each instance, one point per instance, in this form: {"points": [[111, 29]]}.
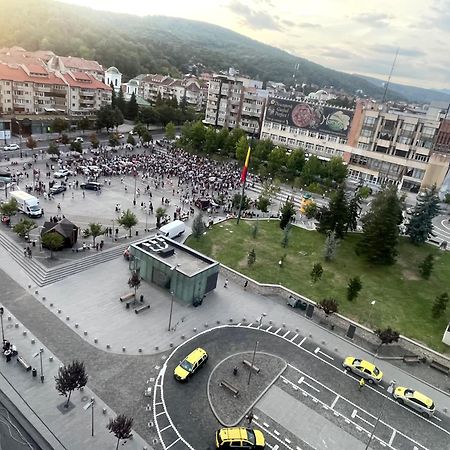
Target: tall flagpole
{"points": [[243, 184]]}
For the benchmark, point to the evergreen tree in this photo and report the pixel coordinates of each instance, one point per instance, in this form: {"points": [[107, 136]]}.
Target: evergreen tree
{"points": [[132, 108], [286, 235], [439, 305], [263, 203], [420, 226], [353, 288], [121, 103], [71, 377], [335, 217], [378, 243], [426, 266], [113, 96], [287, 212], [317, 272], [198, 226], [251, 258], [354, 210], [329, 251], [121, 427], [170, 131]]}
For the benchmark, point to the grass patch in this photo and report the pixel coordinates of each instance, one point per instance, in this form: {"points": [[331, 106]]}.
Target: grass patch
{"points": [[403, 298]]}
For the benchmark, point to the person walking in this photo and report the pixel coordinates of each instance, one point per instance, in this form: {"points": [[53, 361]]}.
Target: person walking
{"points": [[362, 383], [250, 417]]}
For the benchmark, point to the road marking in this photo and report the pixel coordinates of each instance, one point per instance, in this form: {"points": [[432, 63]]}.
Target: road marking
{"points": [[296, 334], [317, 350], [268, 329], [250, 325], [165, 428], [276, 437], [159, 403], [266, 424], [172, 444], [157, 415], [300, 381], [394, 432], [276, 332], [364, 420], [354, 412], [276, 432], [301, 342], [285, 334], [335, 401], [327, 356]]}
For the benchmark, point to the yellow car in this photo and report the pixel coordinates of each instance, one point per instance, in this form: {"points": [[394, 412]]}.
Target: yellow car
{"points": [[415, 400], [240, 437], [363, 368], [190, 364]]}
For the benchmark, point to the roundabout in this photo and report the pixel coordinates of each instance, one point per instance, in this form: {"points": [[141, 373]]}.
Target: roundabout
{"points": [[301, 398]]}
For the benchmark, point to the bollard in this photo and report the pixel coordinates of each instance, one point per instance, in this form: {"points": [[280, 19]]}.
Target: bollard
{"points": [[51, 305], [43, 299], [124, 349], [24, 333], [182, 336], [108, 346], [50, 358], [59, 311], [140, 350], [244, 320], [171, 344], [284, 325], [231, 319], [104, 410], [33, 341], [194, 330], [218, 322], [36, 292], [9, 318], [16, 325], [156, 347], [67, 318], [85, 333], [95, 340], [206, 324], [34, 372], [76, 325]]}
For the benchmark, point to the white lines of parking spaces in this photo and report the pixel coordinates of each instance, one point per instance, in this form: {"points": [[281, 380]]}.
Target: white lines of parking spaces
{"points": [[355, 412]]}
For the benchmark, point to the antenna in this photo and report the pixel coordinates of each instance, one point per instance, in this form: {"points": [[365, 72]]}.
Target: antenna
{"points": [[390, 75]]}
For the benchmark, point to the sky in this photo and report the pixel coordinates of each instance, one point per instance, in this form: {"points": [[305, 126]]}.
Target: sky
{"points": [[353, 36]]}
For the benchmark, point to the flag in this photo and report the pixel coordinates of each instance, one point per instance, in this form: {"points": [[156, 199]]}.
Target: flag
{"points": [[245, 168]]}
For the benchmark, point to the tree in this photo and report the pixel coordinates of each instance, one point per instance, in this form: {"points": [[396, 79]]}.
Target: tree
{"points": [[270, 189], [198, 226], [170, 131], [134, 281], [387, 336], [353, 287], [295, 163], [263, 204], [335, 217], [160, 213], [64, 139], [71, 377], [121, 427], [128, 220], [24, 227], [378, 243], [287, 212], [329, 251], [316, 272], [53, 149], [76, 146], [121, 104], [93, 230], [131, 140], [277, 160], [426, 266], [93, 139], [211, 141], [148, 115], [285, 240], [52, 241], [251, 258], [420, 226], [84, 124], [58, 125], [310, 210], [9, 208], [439, 305], [146, 137], [140, 129], [132, 109], [242, 149], [354, 210], [114, 140], [329, 306], [236, 201], [113, 96], [31, 143], [336, 169], [312, 170]]}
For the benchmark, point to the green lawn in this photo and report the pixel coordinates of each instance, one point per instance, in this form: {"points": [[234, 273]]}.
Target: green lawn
{"points": [[403, 298]]}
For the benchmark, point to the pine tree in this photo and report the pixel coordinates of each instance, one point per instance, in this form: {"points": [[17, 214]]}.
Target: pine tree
{"points": [[132, 108], [198, 226], [329, 251], [251, 258], [420, 226], [71, 377], [381, 228], [335, 217], [426, 266], [353, 288], [439, 305], [121, 104], [287, 212], [113, 96], [354, 210], [317, 272]]}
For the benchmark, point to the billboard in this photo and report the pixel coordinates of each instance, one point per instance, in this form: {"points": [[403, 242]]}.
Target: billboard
{"points": [[325, 119]]}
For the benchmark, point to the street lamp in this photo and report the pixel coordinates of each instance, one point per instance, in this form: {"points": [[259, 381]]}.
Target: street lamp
{"points": [[134, 197], [39, 353], [390, 390], [261, 319], [371, 311], [86, 407], [172, 270], [1, 319], [253, 363]]}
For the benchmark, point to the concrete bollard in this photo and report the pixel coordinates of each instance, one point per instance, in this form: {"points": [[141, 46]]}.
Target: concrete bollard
{"points": [[218, 322], [231, 319], [171, 344], [95, 341], [85, 333], [67, 318], [104, 410], [24, 333], [323, 343], [50, 358], [16, 325], [194, 330], [206, 324], [270, 322], [284, 325], [108, 346], [182, 336], [59, 311], [124, 349], [44, 298], [51, 305], [33, 341], [36, 292], [244, 320], [156, 347], [9, 318], [29, 286], [140, 350]]}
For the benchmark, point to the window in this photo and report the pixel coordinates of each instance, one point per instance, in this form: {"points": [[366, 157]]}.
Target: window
{"points": [[422, 158], [319, 148], [369, 121], [283, 127], [409, 127], [363, 146], [401, 153], [404, 140], [428, 132]]}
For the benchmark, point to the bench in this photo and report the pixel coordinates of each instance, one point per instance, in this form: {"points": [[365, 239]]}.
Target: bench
{"points": [[141, 308], [23, 363], [441, 367], [411, 359], [230, 387], [250, 366], [126, 297]]}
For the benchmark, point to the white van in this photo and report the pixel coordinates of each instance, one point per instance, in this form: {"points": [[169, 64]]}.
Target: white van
{"points": [[27, 203], [173, 229]]}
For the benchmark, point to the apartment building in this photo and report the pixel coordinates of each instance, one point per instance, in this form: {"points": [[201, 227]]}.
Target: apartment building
{"points": [[235, 102], [380, 146]]}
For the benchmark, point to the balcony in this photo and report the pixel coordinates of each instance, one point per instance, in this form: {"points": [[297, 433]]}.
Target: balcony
{"points": [[383, 143]]}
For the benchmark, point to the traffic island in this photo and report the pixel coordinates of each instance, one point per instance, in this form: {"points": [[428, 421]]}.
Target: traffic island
{"points": [[231, 395]]}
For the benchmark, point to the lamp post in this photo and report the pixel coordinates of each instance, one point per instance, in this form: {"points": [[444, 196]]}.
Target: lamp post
{"points": [[253, 363], [91, 406], [261, 319], [134, 196], [372, 303], [390, 389], [280, 265], [39, 353], [1, 319], [172, 294]]}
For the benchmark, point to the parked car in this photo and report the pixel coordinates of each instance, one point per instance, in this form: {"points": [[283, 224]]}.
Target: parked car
{"points": [[190, 364], [62, 173], [91, 186], [11, 147], [415, 400], [78, 139], [58, 189], [363, 368], [240, 437]]}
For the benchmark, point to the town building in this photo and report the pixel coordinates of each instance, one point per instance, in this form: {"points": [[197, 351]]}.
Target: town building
{"points": [[235, 102], [113, 78]]}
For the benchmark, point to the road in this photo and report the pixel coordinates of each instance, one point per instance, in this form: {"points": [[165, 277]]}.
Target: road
{"points": [[313, 390]]}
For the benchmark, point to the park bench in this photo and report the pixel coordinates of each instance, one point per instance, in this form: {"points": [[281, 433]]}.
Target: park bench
{"points": [[411, 359], [441, 367], [250, 366], [230, 387], [24, 363], [141, 308], [126, 297]]}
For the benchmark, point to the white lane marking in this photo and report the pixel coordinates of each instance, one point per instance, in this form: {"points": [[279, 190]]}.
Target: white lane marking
{"points": [[276, 332], [172, 444], [250, 325], [317, 350], [159, 414], [165, 428], [300, 381], [275, 437], [268, 329], [354, 412], [327, 356], [335, 401], [296, 334], [276, 432], [266, 424], [301, 342], [394, 432], [159, 403], [285, 334], [364, 420]]}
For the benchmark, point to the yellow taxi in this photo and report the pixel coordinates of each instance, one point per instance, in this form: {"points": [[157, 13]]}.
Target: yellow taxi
{"points": [[363, 369], [190, 364], [240, 437], [415, 400]]}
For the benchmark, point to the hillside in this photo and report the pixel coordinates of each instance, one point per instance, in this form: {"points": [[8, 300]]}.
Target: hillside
{"points": [[157, 44]]}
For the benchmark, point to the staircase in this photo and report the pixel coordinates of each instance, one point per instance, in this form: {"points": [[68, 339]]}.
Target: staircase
{"points": [[44, 276]]}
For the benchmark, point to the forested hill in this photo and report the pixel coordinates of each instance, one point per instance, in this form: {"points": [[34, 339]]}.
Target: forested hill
{"points": [[156, 44]]}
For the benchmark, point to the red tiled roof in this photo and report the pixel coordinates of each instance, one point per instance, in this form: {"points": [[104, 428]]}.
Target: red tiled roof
{"points": [[73, 62], [18, 74], [84, 80]]}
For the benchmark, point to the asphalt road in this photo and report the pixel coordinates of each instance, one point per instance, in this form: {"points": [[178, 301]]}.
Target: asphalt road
{"points": [[313, 378]]}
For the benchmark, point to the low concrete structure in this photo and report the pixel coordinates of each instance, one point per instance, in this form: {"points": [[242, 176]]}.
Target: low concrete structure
{"points": [[187, 274]]}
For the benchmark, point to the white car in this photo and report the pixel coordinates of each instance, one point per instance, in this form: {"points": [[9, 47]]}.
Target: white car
{"points": [[62, 173], [11, 147], [79, 139]]}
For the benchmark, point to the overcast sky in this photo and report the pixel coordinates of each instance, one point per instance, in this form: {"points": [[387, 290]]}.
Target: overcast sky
{"points": [[349, 35]]}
